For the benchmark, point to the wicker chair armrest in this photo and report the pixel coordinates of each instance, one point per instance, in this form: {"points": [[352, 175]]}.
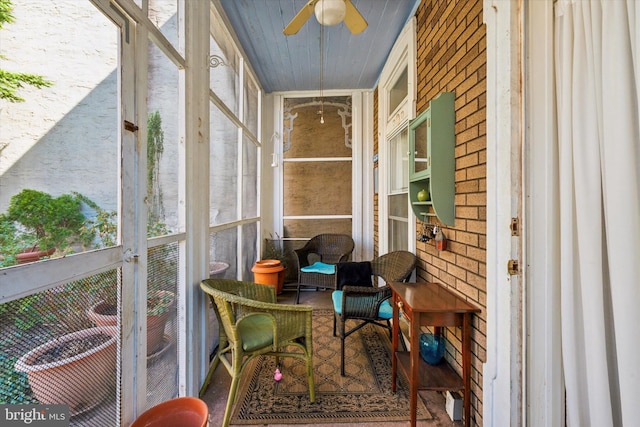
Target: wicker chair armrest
{"points": [[350, 290], [302, 255], [344, 257], [293, 324], [249, 290], [362, 301], [291, 320], [258, 292], [256, 305]]}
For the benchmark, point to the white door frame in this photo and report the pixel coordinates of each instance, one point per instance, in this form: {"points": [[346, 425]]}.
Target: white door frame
{"points": [[502, 372], [361, 172]]}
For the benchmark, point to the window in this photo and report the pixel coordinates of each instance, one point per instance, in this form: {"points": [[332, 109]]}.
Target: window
{"points": [[398, 92], [398, 212], [396, 108], [234, 156]]}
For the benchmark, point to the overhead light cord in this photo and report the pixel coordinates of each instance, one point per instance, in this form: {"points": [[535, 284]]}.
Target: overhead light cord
{"points": [[322, 68]]}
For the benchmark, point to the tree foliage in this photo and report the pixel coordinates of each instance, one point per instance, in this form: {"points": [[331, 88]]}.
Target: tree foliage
{"points": [[10, 81], [155, 148]]}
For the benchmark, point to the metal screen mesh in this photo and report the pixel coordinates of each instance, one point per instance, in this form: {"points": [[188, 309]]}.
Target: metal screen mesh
{"points": [[162, 353], [55, 350]]}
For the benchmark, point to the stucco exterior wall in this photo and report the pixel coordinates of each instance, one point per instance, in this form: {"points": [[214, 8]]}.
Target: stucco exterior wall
{"points": [[64, 133], [64, 138]]}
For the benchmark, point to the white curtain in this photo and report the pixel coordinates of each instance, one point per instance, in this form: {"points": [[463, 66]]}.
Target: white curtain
{"points": [[597, 77]]}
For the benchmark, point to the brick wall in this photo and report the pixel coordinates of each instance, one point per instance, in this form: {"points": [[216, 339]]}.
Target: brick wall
{"points": [[451, 57]]}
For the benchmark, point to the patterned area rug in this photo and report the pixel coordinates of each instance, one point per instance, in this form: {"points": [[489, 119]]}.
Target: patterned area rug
{"points": [[362, 395]]}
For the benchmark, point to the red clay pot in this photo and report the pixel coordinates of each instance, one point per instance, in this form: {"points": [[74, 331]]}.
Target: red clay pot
{"points": [[33, 254], [155, 324], [269, 272], [181, 411]]}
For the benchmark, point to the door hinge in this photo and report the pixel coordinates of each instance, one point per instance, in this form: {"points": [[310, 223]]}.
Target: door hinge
{"points": [[130, 126], [515, 227], [512, 267], [129, 256]]}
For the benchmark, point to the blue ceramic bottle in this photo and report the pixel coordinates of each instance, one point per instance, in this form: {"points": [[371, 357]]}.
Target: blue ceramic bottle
{"points": [[432, 348]]}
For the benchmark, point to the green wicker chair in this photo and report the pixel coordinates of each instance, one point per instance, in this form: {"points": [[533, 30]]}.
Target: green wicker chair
{"points": [[371, 304], [251, 323], [327, 248]]}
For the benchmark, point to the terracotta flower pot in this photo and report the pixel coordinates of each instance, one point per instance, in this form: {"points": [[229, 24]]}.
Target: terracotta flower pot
{"points": [[34, 254], [217, 269], [181, 411], [101, 314], [155, 324], [81, 381], [269, 272]]}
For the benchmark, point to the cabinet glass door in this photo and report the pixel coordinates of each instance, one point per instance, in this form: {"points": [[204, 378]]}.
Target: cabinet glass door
{"points": [[419, 160]]}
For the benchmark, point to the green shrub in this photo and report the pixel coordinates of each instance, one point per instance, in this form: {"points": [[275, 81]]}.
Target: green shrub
{"points": [[47, 221]]}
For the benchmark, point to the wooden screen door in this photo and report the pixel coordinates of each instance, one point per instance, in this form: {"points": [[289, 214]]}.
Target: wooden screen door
{"points": [[317, 168]]}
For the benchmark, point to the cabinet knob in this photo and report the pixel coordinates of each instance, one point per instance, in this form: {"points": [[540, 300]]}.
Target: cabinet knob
{"points": [[400, 305]]}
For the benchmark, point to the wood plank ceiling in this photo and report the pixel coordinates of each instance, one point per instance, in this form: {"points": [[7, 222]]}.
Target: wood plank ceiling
{"points": [[292, 63]]}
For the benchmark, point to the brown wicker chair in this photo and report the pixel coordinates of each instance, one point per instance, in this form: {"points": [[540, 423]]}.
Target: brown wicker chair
{"points": [[251, 323], [371, 304], [326, 248]]}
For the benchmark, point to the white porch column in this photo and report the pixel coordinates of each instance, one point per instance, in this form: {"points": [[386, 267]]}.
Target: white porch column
{"points": [[502, 372], [194, 192]]}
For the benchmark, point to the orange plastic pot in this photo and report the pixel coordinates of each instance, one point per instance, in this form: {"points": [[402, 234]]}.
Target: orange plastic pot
{"points": [[269, 272], [181, 411]]}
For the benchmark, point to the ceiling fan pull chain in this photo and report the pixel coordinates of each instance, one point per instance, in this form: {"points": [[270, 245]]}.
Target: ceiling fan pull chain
{"points": [[322, 72]]}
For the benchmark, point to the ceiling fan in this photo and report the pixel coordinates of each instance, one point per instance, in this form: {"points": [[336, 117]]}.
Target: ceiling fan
{"points": [[328, 12]]}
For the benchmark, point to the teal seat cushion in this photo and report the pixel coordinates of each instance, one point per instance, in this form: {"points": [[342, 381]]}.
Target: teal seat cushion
{"points": [[319, 267], [256, 332], [336, 296], [385, 312]]}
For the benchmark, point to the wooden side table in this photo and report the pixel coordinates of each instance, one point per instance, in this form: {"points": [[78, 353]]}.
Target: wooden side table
{"points": [[431, 304]]}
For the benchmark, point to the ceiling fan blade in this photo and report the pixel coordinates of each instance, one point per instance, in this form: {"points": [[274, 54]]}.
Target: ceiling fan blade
{"points": [[299, 20], [353, 19]]}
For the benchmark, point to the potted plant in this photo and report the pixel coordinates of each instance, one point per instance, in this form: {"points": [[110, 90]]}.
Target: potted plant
{"points": [[159, 297], [78, 368], [37, 224], [105, 311], [275, 248]]}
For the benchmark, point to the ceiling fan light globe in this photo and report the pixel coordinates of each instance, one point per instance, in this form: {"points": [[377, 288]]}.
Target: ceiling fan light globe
{"points": [[330, 12]]}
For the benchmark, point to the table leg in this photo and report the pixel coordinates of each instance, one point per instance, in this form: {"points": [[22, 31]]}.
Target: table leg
{"points": [[466, 367], [413, 380], [394, 341]]}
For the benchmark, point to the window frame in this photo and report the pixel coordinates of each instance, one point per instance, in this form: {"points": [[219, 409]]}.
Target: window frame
{"points": [[391, 124]]}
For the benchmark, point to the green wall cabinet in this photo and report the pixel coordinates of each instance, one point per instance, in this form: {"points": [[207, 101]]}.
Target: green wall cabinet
{"points": [[432, 142]]}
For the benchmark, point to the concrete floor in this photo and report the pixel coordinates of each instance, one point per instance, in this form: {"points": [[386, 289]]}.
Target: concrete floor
{"points": [[217, 392]]}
